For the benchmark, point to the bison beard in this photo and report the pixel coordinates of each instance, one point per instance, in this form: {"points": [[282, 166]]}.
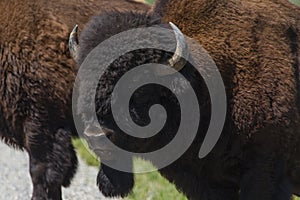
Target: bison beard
{"points": [[114, 183], [36, 83], [257, 54]]}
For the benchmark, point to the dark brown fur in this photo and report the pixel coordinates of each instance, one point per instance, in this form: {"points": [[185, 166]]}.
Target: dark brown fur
{"points": [[36, 82]]}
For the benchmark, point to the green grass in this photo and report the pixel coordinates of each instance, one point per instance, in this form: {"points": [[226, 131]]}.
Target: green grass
{"points": [[85, 154], [152, 186], [296, 2], [150, 1]]}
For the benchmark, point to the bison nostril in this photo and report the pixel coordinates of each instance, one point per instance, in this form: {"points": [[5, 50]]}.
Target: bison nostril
{"points": [[109, 136], [108, 133]]}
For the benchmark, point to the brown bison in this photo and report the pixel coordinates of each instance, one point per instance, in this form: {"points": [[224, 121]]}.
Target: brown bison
{"points": [[255, 45], [36, 82]]}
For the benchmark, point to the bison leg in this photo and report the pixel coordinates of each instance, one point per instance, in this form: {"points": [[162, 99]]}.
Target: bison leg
{"points": [[62, 164], [54, 193], [41, 189], [264, 180], [37, 170], [222, 193], [64, 160], [256, 184], [284, 190], [53, 163]]}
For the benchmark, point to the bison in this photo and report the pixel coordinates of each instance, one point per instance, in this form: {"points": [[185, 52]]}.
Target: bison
{"points": [[255, 45], [37, 75]]}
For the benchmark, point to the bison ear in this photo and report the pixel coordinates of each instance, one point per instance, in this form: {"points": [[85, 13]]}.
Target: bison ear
{"points": [[73, 43], [181, 54]]}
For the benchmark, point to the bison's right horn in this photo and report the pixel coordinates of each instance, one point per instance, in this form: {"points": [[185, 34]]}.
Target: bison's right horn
{"points": [[181, 53], [73, 42], [178, 60]]}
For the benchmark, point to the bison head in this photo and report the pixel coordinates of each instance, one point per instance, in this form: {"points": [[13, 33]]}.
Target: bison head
{"points": [[113, 182]]}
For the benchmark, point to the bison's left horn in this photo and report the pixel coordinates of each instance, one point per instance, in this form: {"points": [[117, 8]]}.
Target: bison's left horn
{"points": [[73, 42], [178, 60]]}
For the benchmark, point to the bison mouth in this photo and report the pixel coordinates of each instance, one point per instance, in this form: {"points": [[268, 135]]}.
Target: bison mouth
{"points": [[99, 145], [98, 140], [104, 154], [111, 182]]}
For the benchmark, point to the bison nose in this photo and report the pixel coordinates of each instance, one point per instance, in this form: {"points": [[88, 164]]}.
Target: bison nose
{"points": [[98, 141], [97, 136], [93, 130]]}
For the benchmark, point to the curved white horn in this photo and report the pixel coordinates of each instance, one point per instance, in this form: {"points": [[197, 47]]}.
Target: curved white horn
{"points": [[73, 42], [178, 60]]}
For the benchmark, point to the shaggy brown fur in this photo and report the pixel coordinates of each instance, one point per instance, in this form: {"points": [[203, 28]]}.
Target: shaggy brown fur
{"points": [[255, 45], [259, 42], [36, 82]]}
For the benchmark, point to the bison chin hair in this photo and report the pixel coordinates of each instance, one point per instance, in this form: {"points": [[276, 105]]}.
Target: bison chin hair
{"points": [[114, 183]]}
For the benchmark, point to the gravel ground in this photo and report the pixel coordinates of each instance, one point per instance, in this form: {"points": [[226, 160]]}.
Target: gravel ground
{"points": [[15, 183]]}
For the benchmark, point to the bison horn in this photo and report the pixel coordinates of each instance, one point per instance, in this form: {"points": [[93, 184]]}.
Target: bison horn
{"points": [[73, 42], [178, 60]]}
